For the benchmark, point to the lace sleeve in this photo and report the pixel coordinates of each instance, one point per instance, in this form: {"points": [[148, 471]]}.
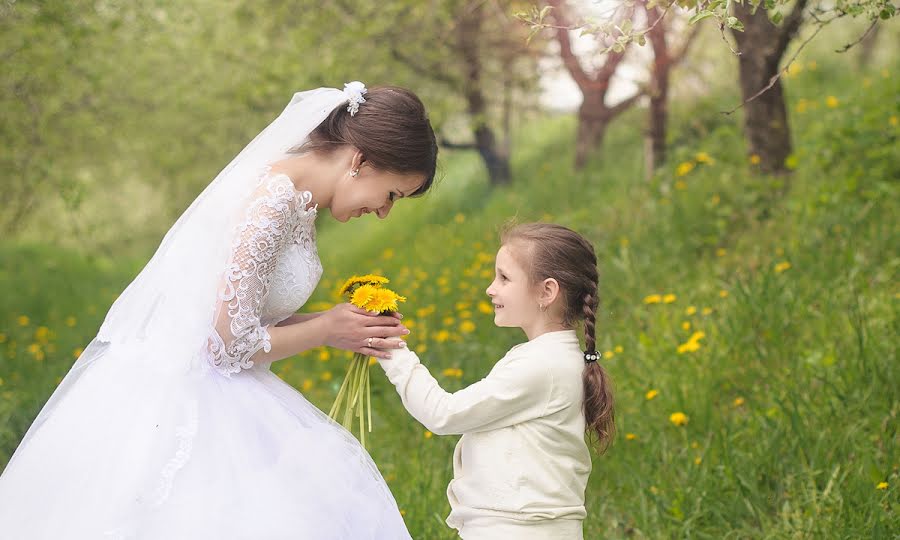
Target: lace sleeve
{"points": [[259, 239]]}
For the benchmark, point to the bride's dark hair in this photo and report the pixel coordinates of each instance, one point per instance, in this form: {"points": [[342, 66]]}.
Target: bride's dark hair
{"points": [[391, 129]]}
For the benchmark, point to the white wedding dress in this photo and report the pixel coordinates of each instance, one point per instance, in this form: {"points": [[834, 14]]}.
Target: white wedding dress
{"points": [[217, 447]]}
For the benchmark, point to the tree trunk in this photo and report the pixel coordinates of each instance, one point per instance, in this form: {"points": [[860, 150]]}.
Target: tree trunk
{"points": [[762, 44], [659, 90], [765, 117], [592, 124], [468, 34]]}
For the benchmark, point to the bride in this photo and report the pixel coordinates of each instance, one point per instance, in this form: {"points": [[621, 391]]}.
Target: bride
{"points": [[170, 425]]}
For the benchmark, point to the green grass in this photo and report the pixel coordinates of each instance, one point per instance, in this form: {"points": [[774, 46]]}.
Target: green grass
{"points": [[793, 396]]}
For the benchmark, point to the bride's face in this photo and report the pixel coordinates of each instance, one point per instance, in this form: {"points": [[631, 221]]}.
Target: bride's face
{"points": [[372, 191]]}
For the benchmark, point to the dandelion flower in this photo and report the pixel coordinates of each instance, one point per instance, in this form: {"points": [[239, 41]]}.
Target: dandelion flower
{"points": [[832, 102], [467, 327], [723, 293], [326, 376], [485, 307], [653, 299], [782, 266], [678, 418], [669, 298], [684, 168], [428, 434], [738, 401], [618, 349], [755, 159], [690, 310], [882, 486], [307, 385], [651, 394], [23, 320], [630, 436], [368, 279]]}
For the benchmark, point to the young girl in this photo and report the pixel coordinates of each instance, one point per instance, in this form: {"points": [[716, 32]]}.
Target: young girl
{"points": [[522, 464]]}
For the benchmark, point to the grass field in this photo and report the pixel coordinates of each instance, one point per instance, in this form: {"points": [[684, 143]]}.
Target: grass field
{"points": [[762, 309]]}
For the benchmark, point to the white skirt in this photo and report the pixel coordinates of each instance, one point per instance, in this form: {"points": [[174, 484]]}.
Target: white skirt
{"points": [[122, 451]]}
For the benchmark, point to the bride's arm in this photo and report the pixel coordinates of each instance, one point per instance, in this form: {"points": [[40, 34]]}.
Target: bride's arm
{"points": [[239, 339], [344, 327], [299, 318]]}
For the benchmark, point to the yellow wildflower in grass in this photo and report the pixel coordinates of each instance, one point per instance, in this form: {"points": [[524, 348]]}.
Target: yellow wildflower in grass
{"points": [[802, 105], [690, 310], [812, 65], [686, 325], [755, 159], [882, 486], [653, 299], [324, 355], [680, 185], [462, 306], [42, 334], [453, 372], [707, 311], [782, 266], [794, 69], [703, 157], [307, 385], [721, 252], [692, 344], [684, 168], [77, 352], [893, 120], [698, 460], [618, 349], [832, 102], [326, 376], [421, 313], [467, 327], [466, 314], [387, 254], [373, 361], [654, 490], [368, 279], [738, 401], [442, 336], [485, 307], [695, 445], [459, 218], [23, 320], [630, 436], [678, 418], [2, 337], [1, 381], [428, 434], [443, 281], [715, 200], [669, 298], [608, 355], [71, 321], [651, 394], [449, 321], [723, 293]]}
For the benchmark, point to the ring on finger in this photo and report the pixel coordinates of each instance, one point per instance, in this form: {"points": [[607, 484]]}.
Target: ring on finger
{"points": [[369, 342]]}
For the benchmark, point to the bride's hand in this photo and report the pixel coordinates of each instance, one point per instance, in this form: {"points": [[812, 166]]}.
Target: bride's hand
{"points": [[353, 329]]}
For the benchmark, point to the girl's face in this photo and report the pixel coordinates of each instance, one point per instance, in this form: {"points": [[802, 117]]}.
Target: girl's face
{"points": [[515, 299], [371, 191]]}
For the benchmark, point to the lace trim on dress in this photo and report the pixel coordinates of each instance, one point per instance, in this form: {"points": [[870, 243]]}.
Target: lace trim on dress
{"points": [[278, 216]]}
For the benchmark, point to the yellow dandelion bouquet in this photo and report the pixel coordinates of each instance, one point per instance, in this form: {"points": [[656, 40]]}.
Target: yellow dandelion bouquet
{"points": [[354, 399]]}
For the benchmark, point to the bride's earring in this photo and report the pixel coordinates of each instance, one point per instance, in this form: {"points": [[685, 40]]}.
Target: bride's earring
{"points": [[354, 173], [543, 307]]}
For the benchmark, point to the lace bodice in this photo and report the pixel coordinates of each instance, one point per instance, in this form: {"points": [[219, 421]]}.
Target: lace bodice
{"points": [[273, 270]]}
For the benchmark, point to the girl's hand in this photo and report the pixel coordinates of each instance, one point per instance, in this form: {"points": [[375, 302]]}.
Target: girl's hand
{"points": [[348, 327]]}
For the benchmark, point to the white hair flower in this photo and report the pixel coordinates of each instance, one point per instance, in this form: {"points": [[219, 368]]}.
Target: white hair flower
{"points": [[354, 91]]}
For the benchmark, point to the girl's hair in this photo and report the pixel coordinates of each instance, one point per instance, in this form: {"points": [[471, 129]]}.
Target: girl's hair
{"points": [[554, 251], [391, 129]]}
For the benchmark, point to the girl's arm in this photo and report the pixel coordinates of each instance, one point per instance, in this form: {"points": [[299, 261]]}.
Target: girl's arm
{"points": [[518, 389]]}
